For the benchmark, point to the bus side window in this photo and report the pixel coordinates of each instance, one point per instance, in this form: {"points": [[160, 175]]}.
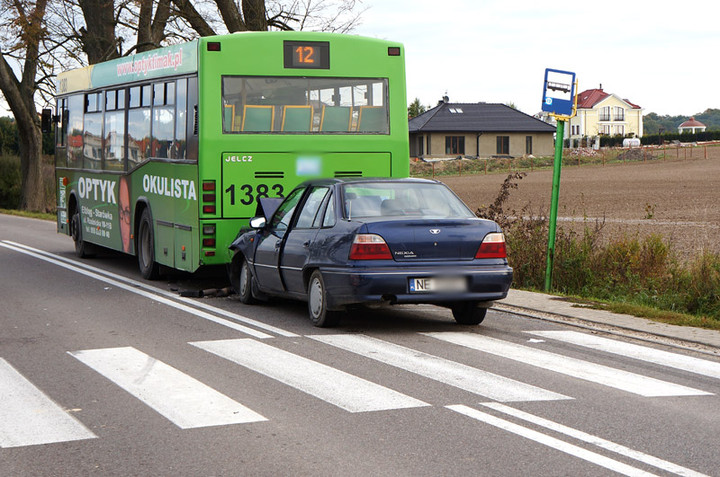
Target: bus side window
{"points": [[180, 144]]}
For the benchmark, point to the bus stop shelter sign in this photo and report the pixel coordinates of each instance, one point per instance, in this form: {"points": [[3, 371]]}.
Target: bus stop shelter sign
{"points": [[558, 92]]}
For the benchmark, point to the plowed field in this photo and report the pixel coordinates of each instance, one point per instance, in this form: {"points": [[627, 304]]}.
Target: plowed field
{"points": [[679, 199]]}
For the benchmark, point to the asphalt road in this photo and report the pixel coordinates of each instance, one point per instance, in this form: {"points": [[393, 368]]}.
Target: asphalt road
{"points": [[103, 373]]}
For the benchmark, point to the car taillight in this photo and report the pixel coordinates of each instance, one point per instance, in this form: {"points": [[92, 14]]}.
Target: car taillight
{"points": [[492, 246], [369, 247]]}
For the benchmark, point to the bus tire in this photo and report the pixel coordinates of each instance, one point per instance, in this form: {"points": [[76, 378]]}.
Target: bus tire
{"points": [[83, 249], [149, 268]]}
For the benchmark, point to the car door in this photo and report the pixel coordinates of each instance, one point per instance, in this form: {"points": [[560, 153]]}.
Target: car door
{"points": [[267, 253], [299, 240]]}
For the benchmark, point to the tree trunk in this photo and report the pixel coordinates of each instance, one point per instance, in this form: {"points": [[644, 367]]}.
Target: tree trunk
{"points": [[98, 39], [20, 96], [255, 15]]}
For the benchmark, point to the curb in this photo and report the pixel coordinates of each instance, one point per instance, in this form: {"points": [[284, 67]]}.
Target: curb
{"points": [[592, 325]]}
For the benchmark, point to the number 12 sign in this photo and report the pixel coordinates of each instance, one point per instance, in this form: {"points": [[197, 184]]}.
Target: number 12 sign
{"points": [[558, 92], [307, 54]]}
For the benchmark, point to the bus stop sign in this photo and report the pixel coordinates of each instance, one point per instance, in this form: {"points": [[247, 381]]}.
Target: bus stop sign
{"points": [[558, 92]]}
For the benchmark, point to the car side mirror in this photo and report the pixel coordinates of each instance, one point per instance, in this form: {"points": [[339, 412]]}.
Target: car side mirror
{"points": [[46, 120], [257, 222]]}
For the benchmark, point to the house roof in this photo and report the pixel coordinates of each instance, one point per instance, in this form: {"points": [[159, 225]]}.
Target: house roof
{"points": [[476, 117], [590, 97], [692, 123]]}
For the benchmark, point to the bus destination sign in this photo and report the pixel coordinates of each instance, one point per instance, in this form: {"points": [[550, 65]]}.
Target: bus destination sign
{"points": [[307, 54]]}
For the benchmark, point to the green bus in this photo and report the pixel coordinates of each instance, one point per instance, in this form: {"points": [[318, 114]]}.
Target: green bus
{"points": [[164, 154]]}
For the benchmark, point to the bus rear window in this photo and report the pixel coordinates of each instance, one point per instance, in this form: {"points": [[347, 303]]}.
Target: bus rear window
{"points": [[283, 105]]}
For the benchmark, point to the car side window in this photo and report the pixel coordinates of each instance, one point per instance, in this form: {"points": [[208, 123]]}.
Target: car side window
{"points": [[310, 208], [329, 219], [282, 216]]}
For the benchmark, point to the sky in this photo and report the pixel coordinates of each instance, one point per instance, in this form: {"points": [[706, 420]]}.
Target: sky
{"points": [[663, 55]]}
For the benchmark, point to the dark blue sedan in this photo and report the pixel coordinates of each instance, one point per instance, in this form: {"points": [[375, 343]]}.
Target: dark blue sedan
{"points": [[340, 242]]}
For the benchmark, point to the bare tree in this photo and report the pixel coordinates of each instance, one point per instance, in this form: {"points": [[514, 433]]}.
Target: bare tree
{"points": [[24, 27]]}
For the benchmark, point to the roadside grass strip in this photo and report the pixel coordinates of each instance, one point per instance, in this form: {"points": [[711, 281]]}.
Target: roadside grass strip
{"points": [[445, 371], [336, 387], [629, 350], [596, 373], [594, 440], [571, 449], [183, 400], [29, 417], [171, 299]]}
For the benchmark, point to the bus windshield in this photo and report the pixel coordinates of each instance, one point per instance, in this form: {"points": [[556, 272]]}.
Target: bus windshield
{"points": [[305, 105]]}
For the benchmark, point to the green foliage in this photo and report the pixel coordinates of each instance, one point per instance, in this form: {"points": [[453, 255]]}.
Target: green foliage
{"points": [[8, 136], [652, 122], [415, 109], [10, 178], [628, 270]]}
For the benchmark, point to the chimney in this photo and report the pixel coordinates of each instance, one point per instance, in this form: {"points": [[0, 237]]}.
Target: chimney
{"points": [[600, 86]]}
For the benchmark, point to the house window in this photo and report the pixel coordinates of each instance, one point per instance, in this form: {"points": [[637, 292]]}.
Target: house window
{"points": [[503, 145], [618, 113], [619, 130], [604, 129], [454, 144], [421, 145], [605, 113], [528, 145]]}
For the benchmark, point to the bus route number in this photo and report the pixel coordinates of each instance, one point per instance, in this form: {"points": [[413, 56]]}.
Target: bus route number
{"points": [[246, 194]]}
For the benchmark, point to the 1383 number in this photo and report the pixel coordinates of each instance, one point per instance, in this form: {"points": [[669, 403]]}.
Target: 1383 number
{"points": [[247, 194]]}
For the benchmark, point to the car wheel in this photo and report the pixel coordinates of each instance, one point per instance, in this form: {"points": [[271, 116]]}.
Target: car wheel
{"points": [[317, 303], [82, 248], [149, 268], [245, 284], [468, 313]]}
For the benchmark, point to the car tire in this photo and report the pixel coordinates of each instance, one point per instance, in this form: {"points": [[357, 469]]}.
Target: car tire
{"points": [[246, 284], [468, 313], [83, 249], [149, 268], [318, 303]]}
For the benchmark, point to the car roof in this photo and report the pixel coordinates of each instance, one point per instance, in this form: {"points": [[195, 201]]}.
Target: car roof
{"points": [[360, 180]]}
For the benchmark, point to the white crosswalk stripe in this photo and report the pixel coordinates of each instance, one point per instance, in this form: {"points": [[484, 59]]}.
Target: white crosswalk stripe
{"points": [[597, 373], [344, 390], [29, 417], [449, 372], [630, 350], [183, 400]]}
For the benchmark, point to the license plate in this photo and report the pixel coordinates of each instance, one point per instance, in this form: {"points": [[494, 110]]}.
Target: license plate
{"points": [[438, 284]]}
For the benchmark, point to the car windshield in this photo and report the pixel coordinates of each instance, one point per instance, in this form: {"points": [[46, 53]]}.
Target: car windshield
{"points": [[402, 199]]}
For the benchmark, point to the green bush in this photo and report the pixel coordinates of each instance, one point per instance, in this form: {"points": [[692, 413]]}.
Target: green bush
{"points": [[10, 182], [629, 269]]}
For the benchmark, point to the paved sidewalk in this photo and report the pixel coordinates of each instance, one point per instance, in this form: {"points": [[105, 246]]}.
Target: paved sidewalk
{"points": [[556, 308]]}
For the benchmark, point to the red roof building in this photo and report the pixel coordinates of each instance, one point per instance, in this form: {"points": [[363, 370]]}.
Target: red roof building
{"points": [[692, 125]]}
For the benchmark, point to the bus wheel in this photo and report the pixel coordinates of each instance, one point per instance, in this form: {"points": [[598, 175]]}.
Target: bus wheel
{"points": [[82, 248], [149, 268]]}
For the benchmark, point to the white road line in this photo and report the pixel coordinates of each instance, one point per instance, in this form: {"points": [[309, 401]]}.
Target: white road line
{"points": [[596, 373], [549, 441], [445, 371], [344, 390], [29, 417], [643, 353], [597, 441], [134, 289], [174, 296], [185, 401]]}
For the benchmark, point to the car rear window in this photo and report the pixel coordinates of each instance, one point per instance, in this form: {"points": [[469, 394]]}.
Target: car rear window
{"points": [[402, 199]]}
